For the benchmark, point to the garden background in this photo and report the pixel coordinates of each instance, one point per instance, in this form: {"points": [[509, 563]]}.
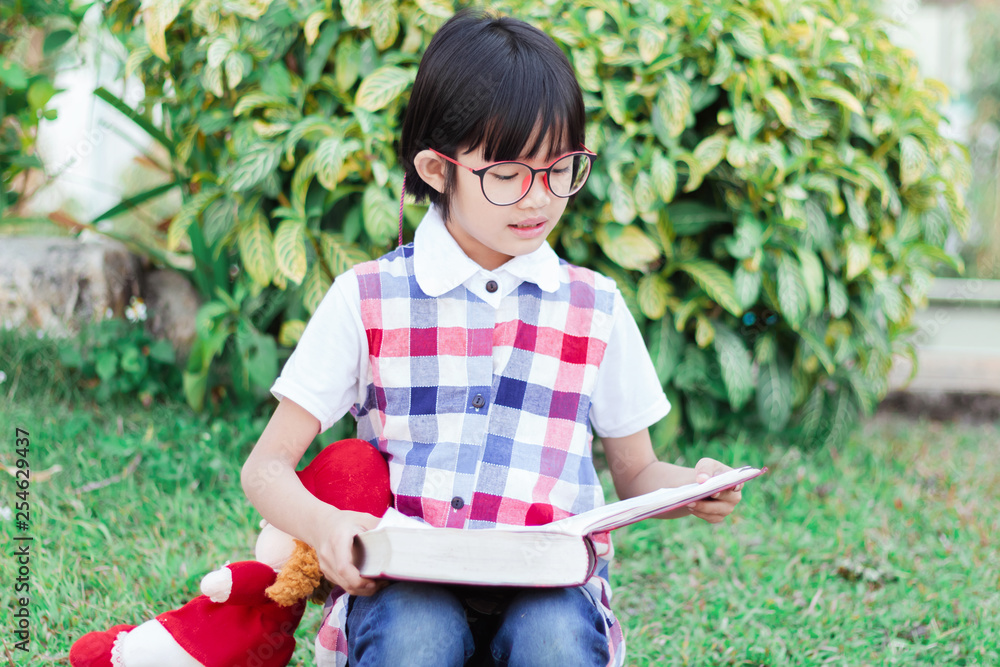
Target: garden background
{"points": [[780, 192]]}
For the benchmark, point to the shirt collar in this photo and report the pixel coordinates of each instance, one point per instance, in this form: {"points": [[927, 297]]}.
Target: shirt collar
{"points": [[440, 265]]}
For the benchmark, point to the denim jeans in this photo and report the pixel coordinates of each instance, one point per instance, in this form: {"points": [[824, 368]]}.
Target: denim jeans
{"points": [[410, 624]]}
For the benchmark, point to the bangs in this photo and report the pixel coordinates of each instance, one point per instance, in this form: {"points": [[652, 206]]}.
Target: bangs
{"points": [[531, 103]]}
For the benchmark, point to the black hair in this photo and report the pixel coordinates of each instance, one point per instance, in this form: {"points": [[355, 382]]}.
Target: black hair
{"points": [[488, 81]]}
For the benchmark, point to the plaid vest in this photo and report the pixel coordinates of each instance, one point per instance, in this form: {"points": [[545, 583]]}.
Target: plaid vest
{"points": [[483, 413]]}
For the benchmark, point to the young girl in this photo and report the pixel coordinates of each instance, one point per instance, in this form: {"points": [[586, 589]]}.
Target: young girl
{"points": [[477, 362]]}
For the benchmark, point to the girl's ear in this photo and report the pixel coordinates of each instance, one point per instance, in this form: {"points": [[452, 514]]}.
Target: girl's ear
{"points": [[431, 168]]}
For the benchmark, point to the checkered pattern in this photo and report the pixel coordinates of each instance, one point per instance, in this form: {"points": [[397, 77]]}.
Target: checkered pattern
{"points": [[490, 406]]}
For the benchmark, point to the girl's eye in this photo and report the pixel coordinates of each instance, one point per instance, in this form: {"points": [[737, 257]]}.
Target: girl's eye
{"points": [[502, 177], [560, 172]]}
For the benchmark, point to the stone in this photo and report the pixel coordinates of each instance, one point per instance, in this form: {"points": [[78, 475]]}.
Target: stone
{"points": [[171, 305], [55, 284]]}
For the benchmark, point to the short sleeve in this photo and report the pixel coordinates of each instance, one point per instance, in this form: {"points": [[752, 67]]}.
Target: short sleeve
{"points": [[326, 373], [627, 397]]}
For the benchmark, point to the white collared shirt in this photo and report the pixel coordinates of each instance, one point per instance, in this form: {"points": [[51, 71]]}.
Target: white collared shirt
{"points": [[328, 372]]}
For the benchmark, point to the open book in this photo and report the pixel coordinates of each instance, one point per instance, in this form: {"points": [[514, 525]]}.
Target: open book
{"points": [[560, 553]]}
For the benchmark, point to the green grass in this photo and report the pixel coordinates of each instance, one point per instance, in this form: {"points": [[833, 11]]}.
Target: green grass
{"points": [[879, 553]]}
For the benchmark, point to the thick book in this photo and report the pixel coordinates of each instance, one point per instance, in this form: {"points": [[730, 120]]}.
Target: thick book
{"points": [[557, 554]]}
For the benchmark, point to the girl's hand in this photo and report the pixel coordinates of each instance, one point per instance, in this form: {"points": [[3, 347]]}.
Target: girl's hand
{"points": [[720, 505], [334, 544]]}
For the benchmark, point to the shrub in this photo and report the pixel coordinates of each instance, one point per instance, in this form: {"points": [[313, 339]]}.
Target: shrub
{"points": [[772, 193], [32, 35]]}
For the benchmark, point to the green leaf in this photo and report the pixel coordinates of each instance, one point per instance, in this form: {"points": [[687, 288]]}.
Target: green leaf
{"points": [[163, 352], [701, 412], [585, 62], [651, 41], [218, 220], [691, 217], [385, 25], [55, 40], [380, 214], [254, 166], [258, 99], [813, 278], [314, 288], [256, 245], [710, 151], [383, 86], [347, 64], [673, 104], [781, 105], [622, 205], [106, 364], [39, 93], [856, 211], [749, 41], [12, 75], [290, 249], [354, 12], [843, 420], [140, 121], [913, 160], [653, 294], [664, 176], [747, 287], [837, 297], [774, 394], [704, 331], [819, 348], [330, 155], [892, 299], [739, 153], [645, 197], [736, 364], [132, 202], [291, 332], [792, 297], [440, 8], [714, 281], [614, 100], [859, 256], [828, 90], [628, 246], [747, 239], [665, 346], [340, 256], [188, 213]]}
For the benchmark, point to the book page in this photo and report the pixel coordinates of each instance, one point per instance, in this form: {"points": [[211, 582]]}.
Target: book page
{"points": [[649, 504]]}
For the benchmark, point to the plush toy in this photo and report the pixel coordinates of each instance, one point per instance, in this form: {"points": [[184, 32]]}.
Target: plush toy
{"points": [[248, 611]]}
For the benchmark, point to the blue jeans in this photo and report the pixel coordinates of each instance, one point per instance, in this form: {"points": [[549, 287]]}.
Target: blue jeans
{"points": [[410, 624]]}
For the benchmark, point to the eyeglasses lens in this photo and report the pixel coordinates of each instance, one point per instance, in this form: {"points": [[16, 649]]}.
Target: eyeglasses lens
{"points": [[508, 182]]}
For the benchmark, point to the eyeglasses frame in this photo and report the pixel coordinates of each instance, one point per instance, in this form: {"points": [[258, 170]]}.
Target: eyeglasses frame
{"points": [[544, 171]]}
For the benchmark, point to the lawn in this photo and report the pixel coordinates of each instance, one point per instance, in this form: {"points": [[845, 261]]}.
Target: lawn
{"points": [[880, 552]]}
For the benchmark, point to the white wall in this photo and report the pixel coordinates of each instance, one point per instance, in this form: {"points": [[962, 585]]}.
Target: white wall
{"points": [[90, 145]]}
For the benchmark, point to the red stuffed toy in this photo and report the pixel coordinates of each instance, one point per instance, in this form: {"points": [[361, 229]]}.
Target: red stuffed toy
{"points": [[249, 611]]}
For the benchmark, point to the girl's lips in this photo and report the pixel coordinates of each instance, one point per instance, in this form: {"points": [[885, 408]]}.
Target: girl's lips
{"points": [[530, 228]]}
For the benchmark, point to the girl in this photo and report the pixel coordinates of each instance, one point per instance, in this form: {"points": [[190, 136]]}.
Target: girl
{"points": [[477, 362]]}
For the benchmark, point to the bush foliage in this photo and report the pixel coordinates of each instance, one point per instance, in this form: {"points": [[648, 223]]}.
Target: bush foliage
{"points": [[33, 33], [772, 193]]}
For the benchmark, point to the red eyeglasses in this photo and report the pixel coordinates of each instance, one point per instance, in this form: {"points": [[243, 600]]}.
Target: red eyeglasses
{"points": [[506, 183]]}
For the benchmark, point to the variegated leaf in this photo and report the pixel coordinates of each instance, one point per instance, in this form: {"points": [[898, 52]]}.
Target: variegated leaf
{"points": [[290, 249]]}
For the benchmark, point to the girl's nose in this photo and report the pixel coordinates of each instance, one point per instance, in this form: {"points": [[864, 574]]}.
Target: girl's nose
{"points": [[538, 195]]}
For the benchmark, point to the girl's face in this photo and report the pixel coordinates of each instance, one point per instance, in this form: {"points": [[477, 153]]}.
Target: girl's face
{"points": [[491, 235]]}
